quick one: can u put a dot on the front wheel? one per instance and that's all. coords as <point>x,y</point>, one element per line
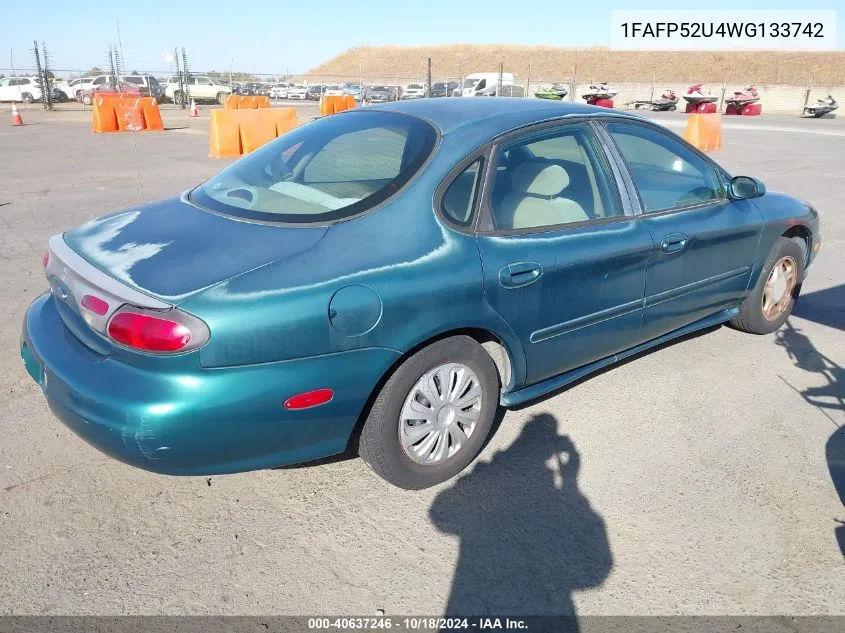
<point>770,303</point>
<point>178,98</point>
<point>87,99</point>
<point>433,415</point>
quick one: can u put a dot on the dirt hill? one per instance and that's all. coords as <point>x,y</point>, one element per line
<point>591,64</point>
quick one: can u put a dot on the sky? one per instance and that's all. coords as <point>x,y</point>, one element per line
<point>277,37</point>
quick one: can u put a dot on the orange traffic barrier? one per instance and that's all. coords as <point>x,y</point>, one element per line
<point>152,115</point>
<point>239,131</point>
<point>348,102</point>
<point>262,101</point>
<point>232,102</point>
<point>104,118</point>
<point>130,116</point>
<point>704,131</point>
<point>248,103</point>
<point>285,120</point>
<point>125,113</point>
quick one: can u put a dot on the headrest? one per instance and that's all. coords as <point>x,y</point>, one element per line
<point>540,179</point>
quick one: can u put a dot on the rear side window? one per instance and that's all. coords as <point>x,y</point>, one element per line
<point>327,170</point>
<point>667,173</point>
<point>551,179</point>
<point>460,196</point>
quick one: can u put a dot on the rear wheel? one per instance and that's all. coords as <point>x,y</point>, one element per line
<point>26,97</point>
<point>433,415</point>
<point>770,303</point>
<point>178,97</point>
<point>87,99</point>
<point>221,97</point>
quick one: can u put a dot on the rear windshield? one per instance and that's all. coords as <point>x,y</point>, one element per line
<point>327,170</point>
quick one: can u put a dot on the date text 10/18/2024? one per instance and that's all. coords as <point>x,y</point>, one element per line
<point>416,623</point>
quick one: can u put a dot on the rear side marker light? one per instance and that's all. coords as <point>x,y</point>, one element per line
<point>309,399</point>
<point>95,304</point>
<point>148,333</point>
<point>45,258</point>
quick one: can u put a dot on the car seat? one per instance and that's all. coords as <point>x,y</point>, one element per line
<point>535,199</point>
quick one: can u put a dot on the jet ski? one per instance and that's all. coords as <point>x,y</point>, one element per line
<point>667,101</point>
<point>599,91</point>
<point>695,94</point>
<point>556,93</point>
<point>821,107</point>
<point>742,99</point>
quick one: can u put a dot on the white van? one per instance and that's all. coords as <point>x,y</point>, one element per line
<point>484,84</point>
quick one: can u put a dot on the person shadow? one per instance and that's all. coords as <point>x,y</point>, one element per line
<point>830,396</point>
<point>528,536</point>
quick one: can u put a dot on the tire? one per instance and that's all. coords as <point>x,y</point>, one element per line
<point>26,97</point>
<point>380,445</point>
<point>178,97</point>
<point>87,99</point>
<point>754,317</point>
<point>221,97</point>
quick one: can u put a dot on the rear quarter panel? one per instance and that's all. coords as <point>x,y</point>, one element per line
<point>411,279</point>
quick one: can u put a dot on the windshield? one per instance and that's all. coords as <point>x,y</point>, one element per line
<point>414,86</point>
<point>327,170</point>
<point>470,83</point>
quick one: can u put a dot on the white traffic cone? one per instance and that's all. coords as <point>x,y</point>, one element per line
<point>16,116</point>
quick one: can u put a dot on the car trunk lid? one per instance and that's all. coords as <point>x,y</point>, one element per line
<point>171,249</point>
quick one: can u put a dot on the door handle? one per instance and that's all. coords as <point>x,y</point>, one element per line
<point>520,274</point>
<point>674,243</point>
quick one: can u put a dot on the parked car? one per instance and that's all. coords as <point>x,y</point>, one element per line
<point>486,84</point>
<point>297,92</point>
<point>147,85</point>
<point>355,90</point>
<point>333,91</point>
<point>71,87</point>
<point>278,91</point>
<point>87,97</point>
<point>444,88</point>
<point>198,87</point>
<point>380,94</point>
<point>414,91</point>
<point>271,341</point>
<point>21,89</point>
<point>315,91</point>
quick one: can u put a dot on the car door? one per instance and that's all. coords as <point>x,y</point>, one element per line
<point>563,255</point>
<point>704,243</point>
<point>5,89</point>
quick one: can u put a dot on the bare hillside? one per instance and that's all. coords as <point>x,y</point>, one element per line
<point>591,64</point>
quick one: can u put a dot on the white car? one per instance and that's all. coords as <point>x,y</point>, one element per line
<point>333,91</point>
<point>297,92</point>
<point>279,91</point>
<point>414,91</point>
<point>72,87</point>
<point>199,88</point>
<point>24,89</point>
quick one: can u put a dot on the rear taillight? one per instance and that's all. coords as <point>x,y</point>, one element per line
<point>163,332</point>
<point>45,258</point>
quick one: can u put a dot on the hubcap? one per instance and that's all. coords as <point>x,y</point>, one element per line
<point>777,293</point>
<point>440,414</point>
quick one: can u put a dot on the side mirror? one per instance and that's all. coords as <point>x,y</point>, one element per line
<point>745,187</point>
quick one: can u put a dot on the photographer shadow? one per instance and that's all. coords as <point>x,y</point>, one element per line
<point>528,536</point>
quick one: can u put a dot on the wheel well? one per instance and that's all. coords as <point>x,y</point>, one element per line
<point>799,230</point>
<point>489,341</point>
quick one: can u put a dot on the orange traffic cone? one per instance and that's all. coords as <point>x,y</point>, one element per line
<point>194,110</point>
<point>16,116</point>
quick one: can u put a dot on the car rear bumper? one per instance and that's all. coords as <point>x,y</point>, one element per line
<point>200,422</point>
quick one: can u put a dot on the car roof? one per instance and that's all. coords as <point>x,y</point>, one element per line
<point>498,114</point>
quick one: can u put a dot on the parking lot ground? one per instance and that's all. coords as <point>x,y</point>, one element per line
<point>695,479</point>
